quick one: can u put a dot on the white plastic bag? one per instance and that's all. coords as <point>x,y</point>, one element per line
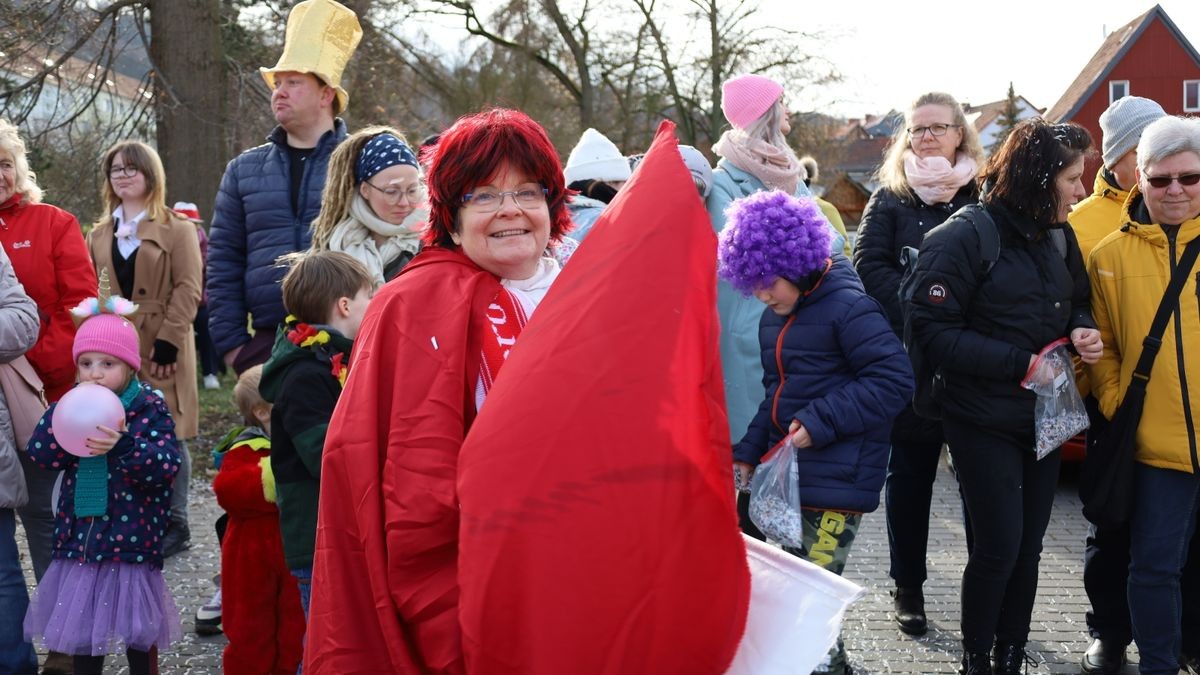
<point>775,496</point>
<point>796,611</point>
<point>1059,413</point>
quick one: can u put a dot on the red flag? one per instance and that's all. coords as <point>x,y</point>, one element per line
<point>598,528</point>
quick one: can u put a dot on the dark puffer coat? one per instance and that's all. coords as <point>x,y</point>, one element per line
<point>890,222</point>
<point>141,467</point>
<point>253,224</point>
<point>981,328</point>
<point>834,365</point>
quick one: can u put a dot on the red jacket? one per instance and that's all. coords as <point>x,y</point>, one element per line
<point>261,614</point>
<point>385,591</point>
<point>51,261</point>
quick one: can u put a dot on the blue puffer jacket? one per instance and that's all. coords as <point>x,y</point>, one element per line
<point>739,314</point>
<point>835,365</point>
<point>141,467</point>
<point>585,211</point>
<point>253,224</point>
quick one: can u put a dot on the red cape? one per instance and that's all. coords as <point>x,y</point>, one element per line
<point>385,593</point>
<point>598,526</point>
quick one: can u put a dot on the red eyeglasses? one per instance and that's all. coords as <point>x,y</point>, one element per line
<point>1188,179</point>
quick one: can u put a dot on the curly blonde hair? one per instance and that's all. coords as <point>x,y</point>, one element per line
<point>891,173</point>
<point>340,183</point>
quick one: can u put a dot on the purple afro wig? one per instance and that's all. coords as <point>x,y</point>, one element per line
<point>769,235</point>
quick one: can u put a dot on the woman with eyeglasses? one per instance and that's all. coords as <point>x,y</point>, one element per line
<point>981,326</point>
<point>928,174</point>
<point>434,340</point>
<point>373,193</point>
<point>151,255</point>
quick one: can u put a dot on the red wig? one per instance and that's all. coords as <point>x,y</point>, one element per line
<point>471,152</point>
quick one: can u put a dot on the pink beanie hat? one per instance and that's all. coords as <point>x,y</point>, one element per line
<point>108,334</point>
<point>746,97</point>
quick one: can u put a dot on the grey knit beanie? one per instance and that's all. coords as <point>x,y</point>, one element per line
<point>1122,125</point>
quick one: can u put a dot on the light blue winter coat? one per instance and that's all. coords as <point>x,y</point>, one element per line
<point>740,351</point>
<point>584,213</point>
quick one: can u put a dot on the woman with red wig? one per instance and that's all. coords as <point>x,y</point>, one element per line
<point>385,587</point>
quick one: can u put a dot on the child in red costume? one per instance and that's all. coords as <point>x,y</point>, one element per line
<point>261,604</point>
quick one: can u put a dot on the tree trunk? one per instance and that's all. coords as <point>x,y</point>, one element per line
<point>190,98</point>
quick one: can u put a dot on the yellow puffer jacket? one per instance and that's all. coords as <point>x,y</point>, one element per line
<point>1129,271</point>
<point>1094,219</point>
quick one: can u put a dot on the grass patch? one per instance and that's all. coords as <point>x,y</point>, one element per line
<point>218,415</point>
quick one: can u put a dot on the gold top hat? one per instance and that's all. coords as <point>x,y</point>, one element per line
<point>320,39</point>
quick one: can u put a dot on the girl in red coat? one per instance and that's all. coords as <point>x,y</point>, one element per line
<point>260,601</point>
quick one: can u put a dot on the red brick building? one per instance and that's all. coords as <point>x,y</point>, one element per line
<point>1146,57</point>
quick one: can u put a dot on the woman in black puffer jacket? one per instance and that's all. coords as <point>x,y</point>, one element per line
<point>982,329</point>
<point>929,173</point>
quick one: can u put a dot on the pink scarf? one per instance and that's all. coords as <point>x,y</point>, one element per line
<point>934,180</point>
<point>777,169</point>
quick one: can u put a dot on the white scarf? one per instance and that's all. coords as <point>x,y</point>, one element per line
<point>933,178</point>
<point>353,236</point>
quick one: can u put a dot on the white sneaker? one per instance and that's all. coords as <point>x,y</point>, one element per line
<point>208,617</point>
<point>211,382</point>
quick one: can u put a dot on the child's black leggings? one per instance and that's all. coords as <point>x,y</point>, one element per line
<point>139,664</point>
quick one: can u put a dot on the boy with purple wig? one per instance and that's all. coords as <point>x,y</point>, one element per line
<point>834,372</point>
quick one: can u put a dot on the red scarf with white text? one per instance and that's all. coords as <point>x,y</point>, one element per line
<point>506,317</point>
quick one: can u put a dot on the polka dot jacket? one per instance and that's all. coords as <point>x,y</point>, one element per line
<point>141,468</point>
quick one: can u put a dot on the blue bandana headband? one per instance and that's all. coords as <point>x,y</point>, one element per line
<point>381,152</point>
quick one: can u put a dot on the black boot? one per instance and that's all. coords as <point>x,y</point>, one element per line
<point>910,610</point>
<point>1103,658</point>
<point>1011,659</point>
<point>976,663</point>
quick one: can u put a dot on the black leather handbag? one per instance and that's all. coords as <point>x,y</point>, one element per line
<point>1106,483</point>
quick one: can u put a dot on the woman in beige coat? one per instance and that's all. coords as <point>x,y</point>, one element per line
<point>153,257</point>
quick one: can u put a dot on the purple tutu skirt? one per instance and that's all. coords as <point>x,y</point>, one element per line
<point>102,608</point>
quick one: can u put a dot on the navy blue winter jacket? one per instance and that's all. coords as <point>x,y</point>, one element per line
<point>835,365</point>
<point>141,468</point>
<point>253,224</point>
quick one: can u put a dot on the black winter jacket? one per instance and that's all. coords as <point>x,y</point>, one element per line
<point>980,329</point>
<point>889,223</point>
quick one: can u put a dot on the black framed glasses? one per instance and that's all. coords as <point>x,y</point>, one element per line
<point>486,200</point>
<point>127,171</point>
<point>935,129</point>
<point>1160,182</point>
<point>392,195</point>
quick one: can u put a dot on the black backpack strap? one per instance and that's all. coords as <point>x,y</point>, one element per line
<point>1166,307</point>
<point>989,235</point>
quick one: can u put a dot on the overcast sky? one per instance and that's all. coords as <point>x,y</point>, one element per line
<point>891,51</point>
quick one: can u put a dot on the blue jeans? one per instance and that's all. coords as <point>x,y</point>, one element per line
<point>304,581</point>
<point>1164,519</point>
<point>16,654</point>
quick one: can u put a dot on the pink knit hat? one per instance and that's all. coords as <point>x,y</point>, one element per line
<point>746,97</point>
<point>108,334</point>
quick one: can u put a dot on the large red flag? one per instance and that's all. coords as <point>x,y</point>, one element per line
<point>598,530</point>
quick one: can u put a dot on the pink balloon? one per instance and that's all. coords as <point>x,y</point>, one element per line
<point>80,411</point>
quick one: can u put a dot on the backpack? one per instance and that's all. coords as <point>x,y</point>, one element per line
<point>927,380</point>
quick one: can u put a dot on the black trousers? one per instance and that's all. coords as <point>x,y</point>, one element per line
<point>210,360</point>
<point>1009,495</point>
<point>908,493</point>
<point>140,663</point>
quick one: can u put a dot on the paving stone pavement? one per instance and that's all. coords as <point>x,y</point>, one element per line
<point>1058,639</point>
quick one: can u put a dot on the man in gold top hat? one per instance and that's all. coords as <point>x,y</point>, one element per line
<point>271,193</point>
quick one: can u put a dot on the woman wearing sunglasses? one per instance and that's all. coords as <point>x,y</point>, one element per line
<point>929,173</point>
<point>1129,272</point>
<point>982,327</point>
<point>373,193</point>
